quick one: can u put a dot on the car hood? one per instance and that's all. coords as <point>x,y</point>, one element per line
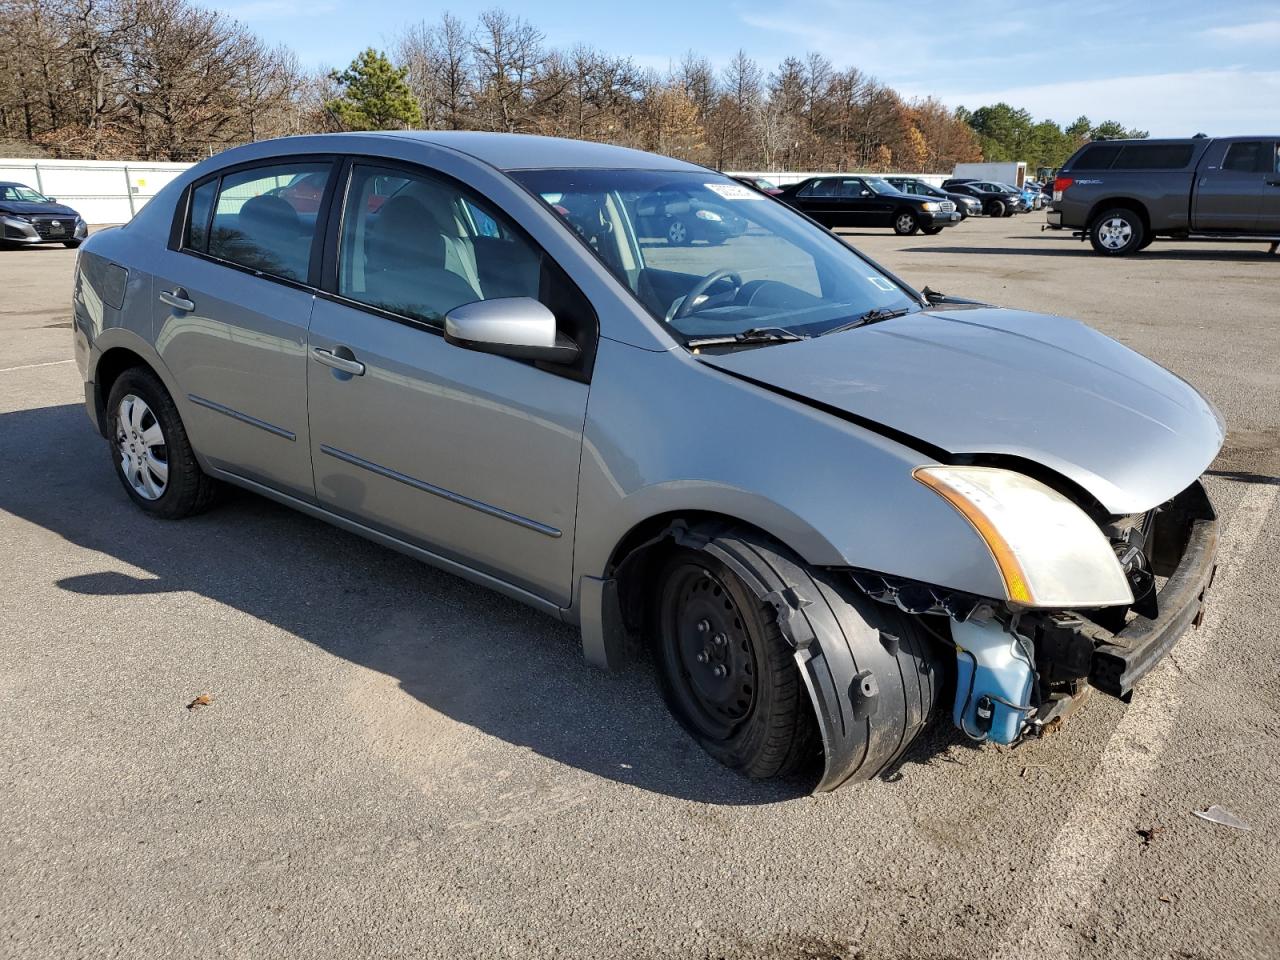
<point>29,208</point>
<point>1010,384</point>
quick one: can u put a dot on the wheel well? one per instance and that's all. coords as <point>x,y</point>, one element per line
<point>636,558</point>
<point>110,365</point>
<point>1127,203</point>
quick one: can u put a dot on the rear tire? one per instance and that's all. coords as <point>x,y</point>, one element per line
<point>1117,232</point>
<point>149,448</point>
<point>905,223</point>
<point>743,698</point>
<point>678,233</point>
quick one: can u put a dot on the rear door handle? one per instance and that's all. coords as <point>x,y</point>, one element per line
<point>331,359</point>
<point>176,298</point>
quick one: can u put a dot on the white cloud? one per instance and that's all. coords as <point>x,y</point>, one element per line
<point>1216,102</point>
<point>1263,31</point>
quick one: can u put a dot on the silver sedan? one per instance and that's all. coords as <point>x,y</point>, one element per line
<point>830,506</point>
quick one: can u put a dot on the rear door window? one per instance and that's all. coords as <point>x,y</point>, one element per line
<point>1245,157</point>
<point>265,218</point>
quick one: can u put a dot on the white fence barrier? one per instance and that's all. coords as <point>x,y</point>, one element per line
<point>101,191</point>
<point>112,191</point>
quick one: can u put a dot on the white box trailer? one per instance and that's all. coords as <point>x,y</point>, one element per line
<point>1013,172</point>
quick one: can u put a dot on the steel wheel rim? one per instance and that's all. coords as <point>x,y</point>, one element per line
<point>1115,233</point>
<point>676,232</point>
<point>140,444</point>
<point>711,660</point>
<point>906,222</point>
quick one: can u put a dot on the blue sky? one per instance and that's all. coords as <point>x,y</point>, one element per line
<point>1173,67</point>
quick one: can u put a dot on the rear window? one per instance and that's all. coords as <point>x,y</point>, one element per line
<point>1154,156</point>
<point>1100,156</point>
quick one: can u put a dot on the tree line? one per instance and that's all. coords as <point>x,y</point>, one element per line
<point>168,80</point>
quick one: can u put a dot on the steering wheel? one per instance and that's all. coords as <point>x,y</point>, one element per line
<point>688,304</point>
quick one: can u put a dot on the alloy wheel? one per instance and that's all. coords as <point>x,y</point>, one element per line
<point>144,456</point>
<point>1115,233</point>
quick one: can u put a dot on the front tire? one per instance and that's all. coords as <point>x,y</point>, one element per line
<point>731,677</point>
<point>932,231</point>
<point>149,448</point>
<point>1117,232</point>
<point>905,223</point>
<point>678,233</point>
<point>71,244</point>
<point>996,208</point>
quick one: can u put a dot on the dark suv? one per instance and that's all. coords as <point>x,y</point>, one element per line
<point>1122,194</point>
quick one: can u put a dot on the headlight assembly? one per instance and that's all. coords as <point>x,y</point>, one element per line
<point>1048,551</point>
<point>930,206</point>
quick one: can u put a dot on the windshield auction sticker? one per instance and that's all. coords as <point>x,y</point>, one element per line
<point>734,191</point>
<point>880,283</point>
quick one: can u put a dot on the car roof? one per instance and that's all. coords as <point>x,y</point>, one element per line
<point>523,151</point>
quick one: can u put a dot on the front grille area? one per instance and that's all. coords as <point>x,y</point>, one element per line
<point>947,206</point>
<point>46,229</point>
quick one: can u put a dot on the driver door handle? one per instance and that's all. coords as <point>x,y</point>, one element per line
<point>177,298</point>
<point>331,359</point>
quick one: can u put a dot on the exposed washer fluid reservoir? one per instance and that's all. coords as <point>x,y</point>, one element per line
<point>993,681</point>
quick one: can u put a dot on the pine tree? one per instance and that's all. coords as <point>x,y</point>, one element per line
<point>375,95</point>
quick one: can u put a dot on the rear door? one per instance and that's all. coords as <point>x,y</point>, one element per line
<point>471,456</point>
<point>1232,186</point>
<point>1269,218</point>
<point>233,300</point>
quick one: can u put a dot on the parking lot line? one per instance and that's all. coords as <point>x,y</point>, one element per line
<point>1083,850</point>
<point>32,366</point>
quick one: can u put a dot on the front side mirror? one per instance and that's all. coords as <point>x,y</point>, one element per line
<point>518,327</point>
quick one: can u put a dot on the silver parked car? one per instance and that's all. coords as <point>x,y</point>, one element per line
<point>830,506</point>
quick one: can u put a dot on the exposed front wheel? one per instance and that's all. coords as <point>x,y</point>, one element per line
<point>150,450</point>
<point>905,223</point>
<point>1117,232</point>
<point>996,208</point>
<point>733,679</point>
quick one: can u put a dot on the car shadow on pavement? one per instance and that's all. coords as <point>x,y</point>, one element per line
<point>466,652</point>
<point>1079,249</point>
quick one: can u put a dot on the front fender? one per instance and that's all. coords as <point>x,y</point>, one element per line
<point>666,433</point>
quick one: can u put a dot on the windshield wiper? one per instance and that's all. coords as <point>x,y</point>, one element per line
<point>755,335</point>
<point>871,316</point>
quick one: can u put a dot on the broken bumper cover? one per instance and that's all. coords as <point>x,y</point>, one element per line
<point>1133,652</point>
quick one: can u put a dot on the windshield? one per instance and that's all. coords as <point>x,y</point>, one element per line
<point>709,257</point>
<point>18,192</point>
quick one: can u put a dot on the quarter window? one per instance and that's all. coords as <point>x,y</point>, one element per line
<point>265,218</point>
<point>197,237</point>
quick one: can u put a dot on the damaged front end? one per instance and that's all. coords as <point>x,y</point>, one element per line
<point>1020,669</point>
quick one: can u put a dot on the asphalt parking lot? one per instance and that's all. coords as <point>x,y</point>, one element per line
<point>395,763</point>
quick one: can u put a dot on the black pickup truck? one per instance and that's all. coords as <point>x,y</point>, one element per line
<point>1122,194</point>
